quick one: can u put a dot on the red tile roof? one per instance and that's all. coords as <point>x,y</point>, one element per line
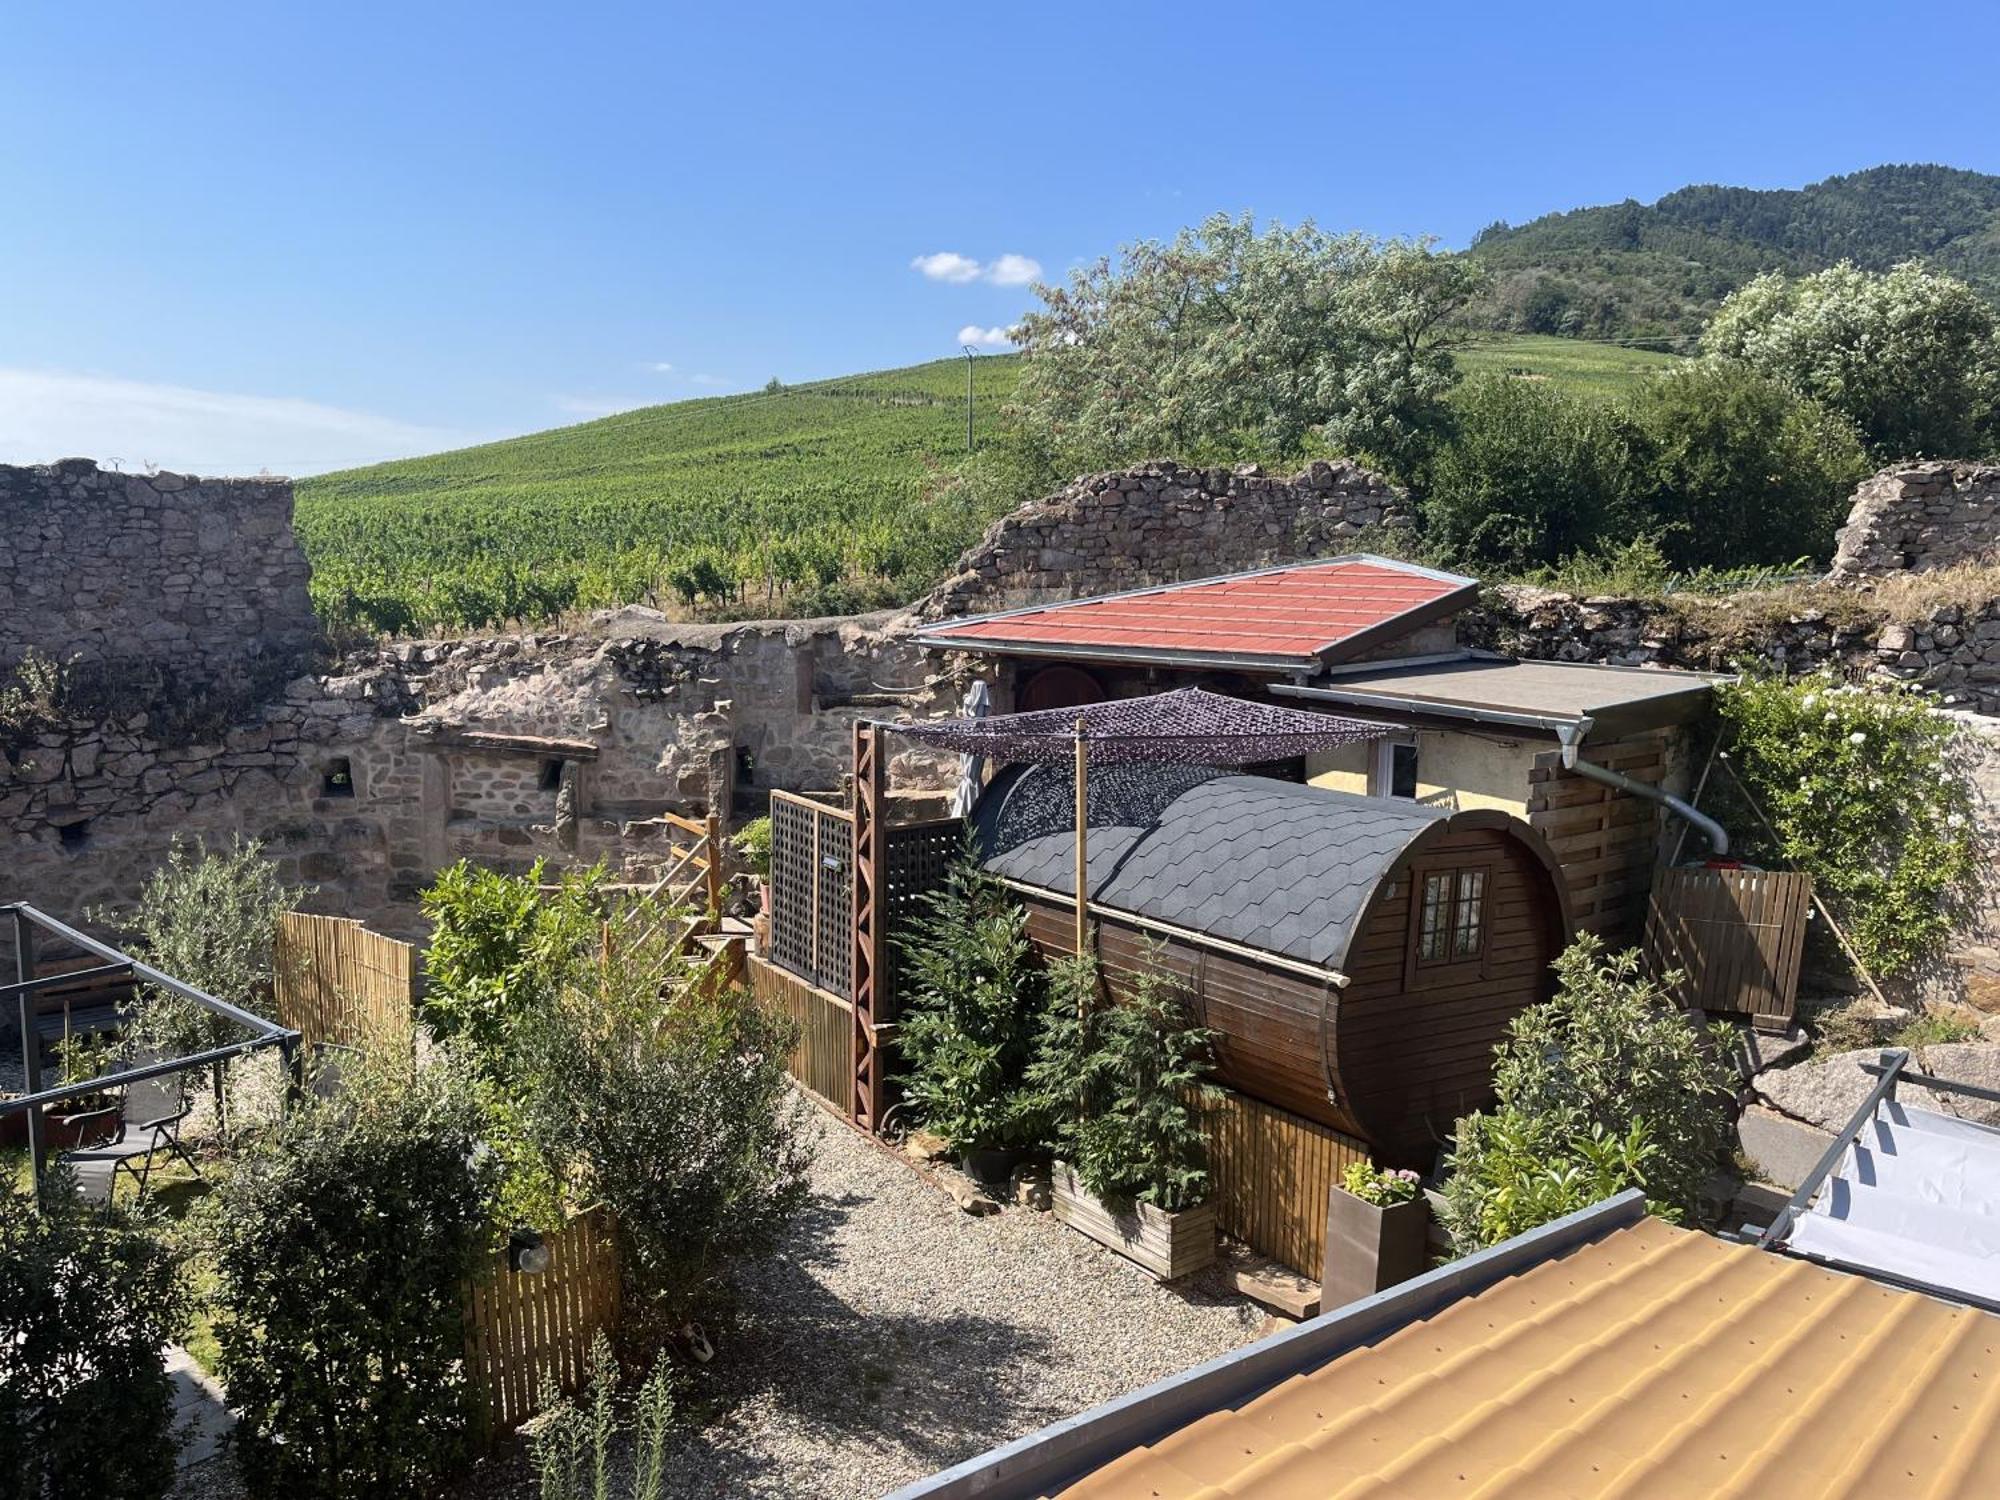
<point>1283,614</point>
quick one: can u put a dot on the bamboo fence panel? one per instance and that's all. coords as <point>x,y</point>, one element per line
<point>1738,937</point>
<point>1270,1172</point>
<point>822,1059</point>
<point>338,982</point>
<point>521,1329</point>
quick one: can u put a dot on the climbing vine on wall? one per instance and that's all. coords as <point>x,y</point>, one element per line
<point>1867,790</point>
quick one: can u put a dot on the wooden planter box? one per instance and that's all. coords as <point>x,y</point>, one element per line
<point>60,1133</point>
<point>1369,1249</point>
<point>1169,1245</point>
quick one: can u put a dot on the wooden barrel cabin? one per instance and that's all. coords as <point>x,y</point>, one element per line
<point>1357,957</point>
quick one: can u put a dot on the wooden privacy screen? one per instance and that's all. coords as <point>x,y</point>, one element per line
<point>812,891</point>
<point>338,982</point>
<point>1738,936</point>
<point>520,1328</point>
<point>822,1055</point>
<point>920,856</point>
<point>1270,1174</point>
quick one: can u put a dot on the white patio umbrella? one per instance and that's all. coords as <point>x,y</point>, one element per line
<point>978,703</point>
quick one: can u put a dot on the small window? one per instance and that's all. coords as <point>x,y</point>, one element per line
<point>339,778</point>
<point>746,766</point>
<point>1451,916</point>
<point>75,835</point>
<point>1394,773</point>
<point>552,775</point>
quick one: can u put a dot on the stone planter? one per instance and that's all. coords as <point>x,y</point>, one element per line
<point>1169,1245</point>
<point>1369,1248</point>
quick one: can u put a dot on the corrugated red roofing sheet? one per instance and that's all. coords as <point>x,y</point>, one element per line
<point>1292,612</point>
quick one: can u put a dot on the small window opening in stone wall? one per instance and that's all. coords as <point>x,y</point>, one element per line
<point>552,772</point>
<point>74,835</point>
<point>338,780</point>
<point>746,766</point>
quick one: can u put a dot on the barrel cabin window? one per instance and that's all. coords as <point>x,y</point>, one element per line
<point>1450,915</point>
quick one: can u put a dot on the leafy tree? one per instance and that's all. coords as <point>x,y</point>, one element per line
<point>87,1303</point>
<point>1909,356</point>
<point>1122,1086</point>
<point>1531,474</point>
<point>1732,467</point>
<point>1232,342</point>
<point>342,1243</point>
<point>967,1024</point>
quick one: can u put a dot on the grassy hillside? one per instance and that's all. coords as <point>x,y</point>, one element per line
<point>815,496</point>
<point>1631,268</point>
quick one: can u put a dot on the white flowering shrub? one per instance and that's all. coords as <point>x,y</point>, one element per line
<point>1867,791</point>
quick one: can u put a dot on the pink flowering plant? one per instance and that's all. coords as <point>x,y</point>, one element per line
<point>1381,1186</point>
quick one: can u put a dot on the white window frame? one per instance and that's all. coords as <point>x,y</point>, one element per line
<point>1382,765</point>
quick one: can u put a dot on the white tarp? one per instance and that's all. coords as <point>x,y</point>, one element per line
<point>1917,1196</point>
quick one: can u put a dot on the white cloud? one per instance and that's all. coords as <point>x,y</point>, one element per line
<point>947,265</point>
<point>986,338</point>
<point>661,367</point>
<point>47,415</point>
<point>1014,270</point>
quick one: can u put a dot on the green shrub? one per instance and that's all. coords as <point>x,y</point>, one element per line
<point>1937,1024</point>
<point>1866,792</point>
<point>677,1117</point>
<point>86,1305</point>
<point>502,947</point>
<point>1381,1186</point>
<point>968,1020</point>
<point>1122,1086</point>
<point>570,1444</point>
<point>753,842</point>
<point>342,1243</point>
<point>1513,1171</point>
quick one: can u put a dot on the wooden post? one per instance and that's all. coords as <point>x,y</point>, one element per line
<point>1082,843</point>
<point>870,883</point>
<point>31,1049</point>
<point>713,837</point>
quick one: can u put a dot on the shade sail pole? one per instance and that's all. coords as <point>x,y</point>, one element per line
<point>1082,842</point>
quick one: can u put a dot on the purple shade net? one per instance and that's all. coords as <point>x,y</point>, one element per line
<point>1187,727</point>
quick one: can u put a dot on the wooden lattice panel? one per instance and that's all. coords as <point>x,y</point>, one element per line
<point>920,856</point>
<point>812,860</point>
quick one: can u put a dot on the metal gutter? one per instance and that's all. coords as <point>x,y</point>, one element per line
<point>1707,827</point>
<point>1045,1462</point>
<point>1186,934</point>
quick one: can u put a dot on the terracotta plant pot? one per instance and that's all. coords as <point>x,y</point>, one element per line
<point>1369,1249</point>
<point>1170,1245</point>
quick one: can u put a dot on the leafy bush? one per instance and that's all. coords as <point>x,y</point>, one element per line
<point>1866,792</point>
<point>86,1305</point>
<point>502,947</point>
<point>341,1245</point>
<point>968,1020</point>
<point>1513,1171</point>
<point>1936,1024</point>
<point>679,1118</point>
<point>753,842</point>
<point>1381,1186</point>
<point>1122,1085</point>
<point>570,1444</point>
<point>1606,1081</point>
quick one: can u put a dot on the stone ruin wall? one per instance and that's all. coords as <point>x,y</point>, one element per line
<point>1920,517</point>
<point>1162,522</point>
<point>194,585</point>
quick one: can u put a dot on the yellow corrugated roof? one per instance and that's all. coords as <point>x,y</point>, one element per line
<point>1652,1362</point>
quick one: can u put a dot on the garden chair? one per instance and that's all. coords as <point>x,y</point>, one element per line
<point>149,1125</point>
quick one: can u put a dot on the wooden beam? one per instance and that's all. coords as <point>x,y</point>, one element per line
<point>1082,842</point>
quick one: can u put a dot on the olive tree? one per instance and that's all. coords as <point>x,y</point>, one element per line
<point>1909,356</point>
<point>1231,341</point>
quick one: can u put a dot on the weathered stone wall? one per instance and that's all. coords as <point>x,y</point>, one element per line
<point>1917,517</point>
<point>1162,522</point>
<point>161,583</point>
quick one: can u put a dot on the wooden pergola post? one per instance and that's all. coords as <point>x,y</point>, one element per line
<point>870,884</point>
<point>1082,842</point>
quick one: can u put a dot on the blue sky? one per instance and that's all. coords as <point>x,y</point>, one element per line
<point>292,237</point>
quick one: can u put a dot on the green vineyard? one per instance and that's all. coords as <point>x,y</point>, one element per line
<point>814,498</point>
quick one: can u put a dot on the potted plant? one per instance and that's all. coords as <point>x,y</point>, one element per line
<point>1124,1084</point>
<point>1377,1227</point>
<point>752,843</point>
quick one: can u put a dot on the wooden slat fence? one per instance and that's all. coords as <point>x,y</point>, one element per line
<point>519,1328</point>
<point>1737,935</point>
<point>338,982</point>
<point>812,891</point>
<point>1271,1171</point>
<point>823,1057</point>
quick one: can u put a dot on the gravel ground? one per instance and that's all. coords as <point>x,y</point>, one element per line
<point>893,1335</point>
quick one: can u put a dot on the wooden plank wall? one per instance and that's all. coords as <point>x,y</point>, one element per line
<point>1271,1173</point>
<point>338,982</point>
<point>519,1329</point>
<point>1738,936</point>
<point>1606,840</point>
<point>822,1058</point>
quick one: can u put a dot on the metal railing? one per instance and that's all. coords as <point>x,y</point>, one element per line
<point>28,923</point>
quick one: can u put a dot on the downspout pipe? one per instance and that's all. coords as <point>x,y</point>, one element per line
<point>1571,736</point>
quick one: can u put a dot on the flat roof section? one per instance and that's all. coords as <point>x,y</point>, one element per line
<point>1293,617</point>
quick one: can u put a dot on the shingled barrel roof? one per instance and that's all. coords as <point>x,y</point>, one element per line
<point>1269,864</point>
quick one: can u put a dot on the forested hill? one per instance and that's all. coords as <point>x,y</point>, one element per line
<point>1633,269</point>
